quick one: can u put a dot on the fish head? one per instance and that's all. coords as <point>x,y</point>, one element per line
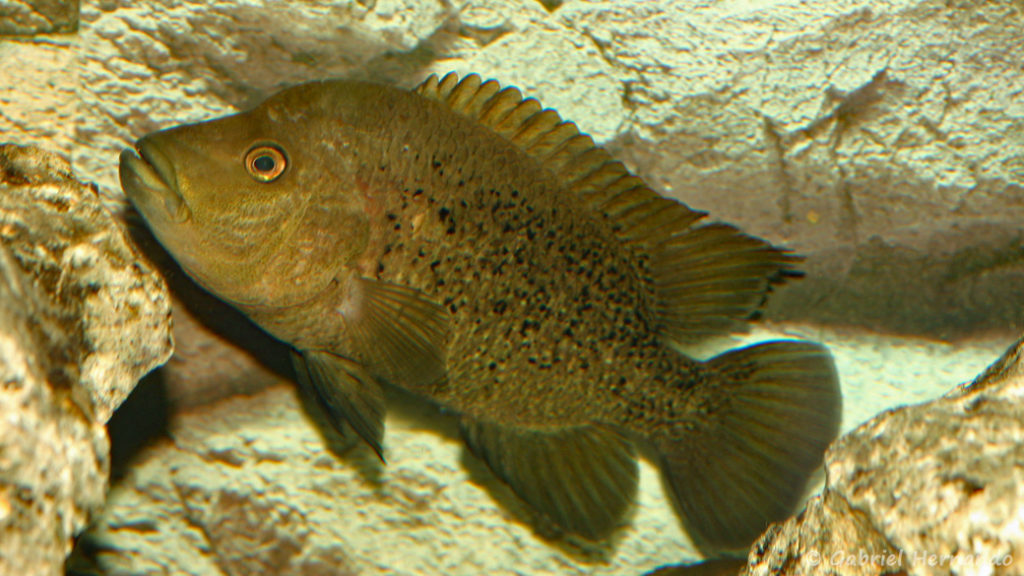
<point>258,207</point>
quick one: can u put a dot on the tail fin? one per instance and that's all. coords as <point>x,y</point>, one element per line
<point>745,462</point>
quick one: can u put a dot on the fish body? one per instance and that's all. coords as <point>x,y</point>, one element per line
<point>465,244</point>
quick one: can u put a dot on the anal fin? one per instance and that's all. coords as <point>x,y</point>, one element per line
<point>583,478</point>
<point>346,392</point>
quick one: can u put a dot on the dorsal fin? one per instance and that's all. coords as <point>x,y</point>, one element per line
<point>706,279</point>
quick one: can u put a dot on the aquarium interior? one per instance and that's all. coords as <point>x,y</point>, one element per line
<point>251,478</point>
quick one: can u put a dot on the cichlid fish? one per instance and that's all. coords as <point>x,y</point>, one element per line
<point>465,244</point>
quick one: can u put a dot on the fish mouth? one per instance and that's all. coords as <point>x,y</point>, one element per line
<point>149,180</point>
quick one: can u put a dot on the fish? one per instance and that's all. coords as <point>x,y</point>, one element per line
<point>468,245</point>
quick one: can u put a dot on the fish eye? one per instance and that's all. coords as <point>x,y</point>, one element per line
<point>265,163</point>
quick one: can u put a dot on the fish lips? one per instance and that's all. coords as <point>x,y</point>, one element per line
<point>148,178</point>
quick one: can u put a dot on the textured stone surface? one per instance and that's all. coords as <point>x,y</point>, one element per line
<point>81,320</point>
<point>37,92</point>
<point>23,17</point>
<point>936,488</point>
<point>882,139</point>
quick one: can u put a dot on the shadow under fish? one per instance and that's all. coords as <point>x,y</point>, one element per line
<point>716,567</point>
<point>467,245</point>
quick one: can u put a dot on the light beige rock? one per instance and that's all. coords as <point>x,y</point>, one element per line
<point>149,65</point>
<point>24,17</point>
<point>930,489</point>
<point>881,139</point>
<point>37,91</point>
<point>81,320</point>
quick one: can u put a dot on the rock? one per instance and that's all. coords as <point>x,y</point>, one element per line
<point>212,57</point>
<point>879,139</point>
<point>856,132</point>
<point>81,320</point>
<point>23,17</point>
<point>37,95</point>
<point>935,488</point>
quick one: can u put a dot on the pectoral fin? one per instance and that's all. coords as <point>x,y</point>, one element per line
<point>397,331</point>
<point>346,392</point>
<point>583,479</point>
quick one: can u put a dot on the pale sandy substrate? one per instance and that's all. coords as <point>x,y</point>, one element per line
<point>878,372</point>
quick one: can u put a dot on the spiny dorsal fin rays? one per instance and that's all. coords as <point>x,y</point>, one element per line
<point>501,105</point>
<point>733,284</point>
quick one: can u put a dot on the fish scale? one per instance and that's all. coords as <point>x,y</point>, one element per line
<point>455,202</point>
<point>472,247</point>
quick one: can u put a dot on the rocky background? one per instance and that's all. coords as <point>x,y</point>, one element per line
<point>883,140</point>
<point>81,320</point>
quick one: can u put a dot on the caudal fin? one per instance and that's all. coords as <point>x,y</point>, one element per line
<point>745,461</point>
